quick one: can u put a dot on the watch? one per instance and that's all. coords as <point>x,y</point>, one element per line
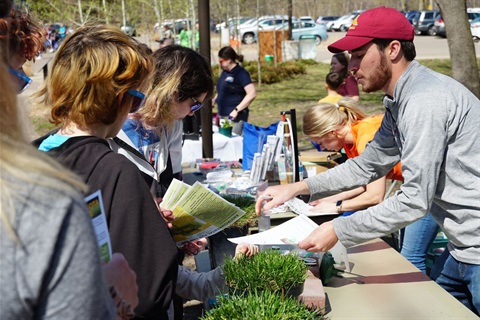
<point>339,206</point>
<point>236,109</point>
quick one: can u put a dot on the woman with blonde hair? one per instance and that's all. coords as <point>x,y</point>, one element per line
<point>179,85</point>
<point>93,86</point>
<point>344,125</point>
<point>50,263</point>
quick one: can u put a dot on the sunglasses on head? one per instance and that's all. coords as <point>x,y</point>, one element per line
<point>138,99</point>
<point>196,106</point>
<point>22,80</point>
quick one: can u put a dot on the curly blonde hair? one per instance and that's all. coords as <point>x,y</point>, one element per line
<point>91,69</point>
<point>322,118</point>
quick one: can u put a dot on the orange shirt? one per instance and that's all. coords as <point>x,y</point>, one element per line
<point>363,132</point>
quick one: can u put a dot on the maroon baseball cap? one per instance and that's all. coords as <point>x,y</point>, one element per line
<point>377,23</point>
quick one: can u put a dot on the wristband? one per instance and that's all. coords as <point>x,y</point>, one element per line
<point>339,206</point>
<point>124,310</point>
<point>236,109</point>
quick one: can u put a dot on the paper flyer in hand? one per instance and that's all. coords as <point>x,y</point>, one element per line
<point>99,221</point>
<point>198,211</point>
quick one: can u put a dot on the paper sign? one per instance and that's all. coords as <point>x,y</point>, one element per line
<point>99,221</point>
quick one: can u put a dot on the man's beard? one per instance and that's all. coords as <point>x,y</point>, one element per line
<point>380,76</point>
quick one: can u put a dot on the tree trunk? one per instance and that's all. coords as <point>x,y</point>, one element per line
<point>460,44</point>
<point>80,11</point>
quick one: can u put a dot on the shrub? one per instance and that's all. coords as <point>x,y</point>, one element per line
<point>270,74</point>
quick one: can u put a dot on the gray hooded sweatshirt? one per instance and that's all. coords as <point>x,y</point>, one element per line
<point>431,125</point>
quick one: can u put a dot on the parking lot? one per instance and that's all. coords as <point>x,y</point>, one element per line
<point>428,47</point>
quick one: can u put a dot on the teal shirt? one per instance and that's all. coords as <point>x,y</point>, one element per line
<point>53,141</point>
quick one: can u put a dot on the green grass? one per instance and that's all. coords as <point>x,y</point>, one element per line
<point>261,305</point>
<point>267,270</point>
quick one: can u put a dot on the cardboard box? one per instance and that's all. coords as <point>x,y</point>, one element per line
<point>314,168</point>
<point>316,162</point>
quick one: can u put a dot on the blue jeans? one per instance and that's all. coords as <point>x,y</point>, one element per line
<point>417,238</point>
<point>462,280</point>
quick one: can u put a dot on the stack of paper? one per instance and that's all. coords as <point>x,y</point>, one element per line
<point>264,161</point>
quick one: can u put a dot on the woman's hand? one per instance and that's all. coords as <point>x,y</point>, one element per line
<point>194,247</point>
<point>324,206</point>
<point>119,275</point>
<point>233,114</point>
<point>166,214</point>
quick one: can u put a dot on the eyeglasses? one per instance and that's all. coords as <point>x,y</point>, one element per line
<point>22,80</point>
<point>196,106</point>
<point>316,145</point>
<point>138,99</point>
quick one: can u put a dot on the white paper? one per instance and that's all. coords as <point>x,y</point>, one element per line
<point>295,230</point>
<point>300,207</point>
<point>99,221</point>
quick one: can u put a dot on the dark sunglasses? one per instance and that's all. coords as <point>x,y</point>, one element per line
<point>22,80</point>
<point>138,99</point>
<point>196,106</point>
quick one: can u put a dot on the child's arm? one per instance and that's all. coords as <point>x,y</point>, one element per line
<point>205,285</point>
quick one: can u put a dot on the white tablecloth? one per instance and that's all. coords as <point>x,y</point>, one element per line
<point>224,148</point>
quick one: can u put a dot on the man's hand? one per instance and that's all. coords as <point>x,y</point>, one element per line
<point>118,274</point>
<point>322,239</point>
<point>245,249</point>
<point>279,194</point>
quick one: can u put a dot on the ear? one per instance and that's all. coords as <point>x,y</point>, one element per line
<point>393,50</point>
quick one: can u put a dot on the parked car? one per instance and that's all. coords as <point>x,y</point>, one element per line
<point>475,28</point>
<point>342,23</point>
<point>306,19</point>
<point>423,22</point>
<point>308,29</point>
<point>439,24</point>
<point>248,33</point>
<point>232,22</point>
<point>327,21</point>
<point>410,15</point>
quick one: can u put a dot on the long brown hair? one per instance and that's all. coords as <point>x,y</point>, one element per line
<point>178,72</point>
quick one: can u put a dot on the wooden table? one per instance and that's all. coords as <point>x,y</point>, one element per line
<point>393,289</point>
